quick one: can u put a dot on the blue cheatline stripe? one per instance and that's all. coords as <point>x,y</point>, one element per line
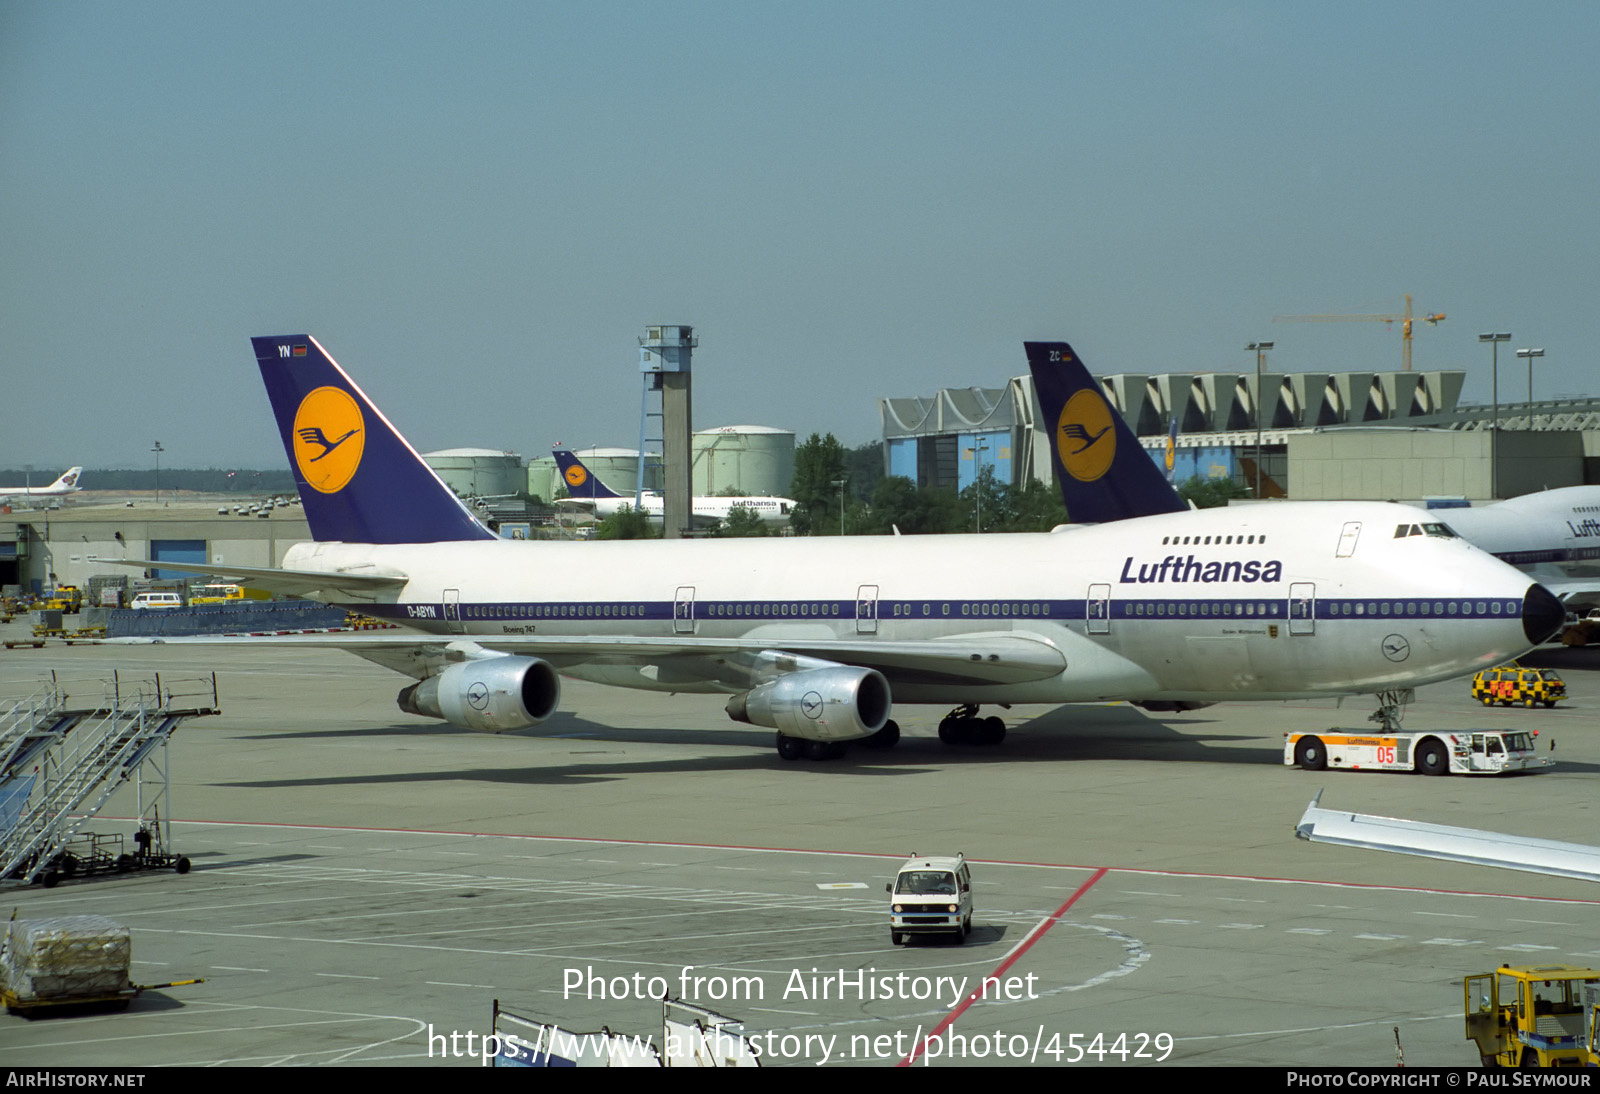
<point>1387,610</point>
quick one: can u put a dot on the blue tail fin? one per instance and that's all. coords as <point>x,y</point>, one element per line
<point>581,482</point>
<point>360,482</point>
<point>1104,472</point>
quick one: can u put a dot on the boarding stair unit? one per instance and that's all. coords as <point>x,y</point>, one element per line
<point>61,761</point>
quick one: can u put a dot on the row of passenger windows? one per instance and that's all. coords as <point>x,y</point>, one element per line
<point>770,611</point>
<point>1200,608</point>
<point>1421,607</point>
<point>553,611</point>
<point>1209,541</point>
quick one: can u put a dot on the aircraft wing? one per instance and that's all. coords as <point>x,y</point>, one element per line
<point>978,659</point>
<point>353,585</point>
<point>1535,856</point>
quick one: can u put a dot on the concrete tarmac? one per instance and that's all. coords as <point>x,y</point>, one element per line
<point>366,883</point>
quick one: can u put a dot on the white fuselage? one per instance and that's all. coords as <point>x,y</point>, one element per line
<point>1553,534</point>
<point>1256,602</point>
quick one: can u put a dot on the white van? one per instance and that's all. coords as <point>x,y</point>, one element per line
<point>156,600</point>
<point>932,894</point>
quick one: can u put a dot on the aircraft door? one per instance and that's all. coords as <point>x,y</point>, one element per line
<point>1303,608</point>
<point>866,609</point>
<point>1347,539</point>
<point>1098,609</point>
<point>683,610</point>
<point>452,610</point>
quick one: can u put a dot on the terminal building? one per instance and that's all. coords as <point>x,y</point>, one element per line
<point>1310,436</point>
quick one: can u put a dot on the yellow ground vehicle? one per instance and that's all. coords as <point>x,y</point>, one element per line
<point>66,599</point>
<point>215,594</point>
<point>1508,684</point>
<point>1530,1017</point>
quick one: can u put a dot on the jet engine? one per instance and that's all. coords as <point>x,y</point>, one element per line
<point>490,694</point>
<point>837,704</point>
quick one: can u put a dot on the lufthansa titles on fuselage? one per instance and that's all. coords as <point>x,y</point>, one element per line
<point>1187,568</point>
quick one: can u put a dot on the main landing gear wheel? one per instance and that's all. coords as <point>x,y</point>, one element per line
<point>1309,754</point>
<point>887,737</point>
<point>962,726</point>
<point>798,748</point>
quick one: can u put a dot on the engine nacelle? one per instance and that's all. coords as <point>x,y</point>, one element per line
<point>837,704</point>
<point>489,694</point>
<point>1169,706</point>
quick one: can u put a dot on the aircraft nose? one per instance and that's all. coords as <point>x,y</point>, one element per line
<point>1542,614</point>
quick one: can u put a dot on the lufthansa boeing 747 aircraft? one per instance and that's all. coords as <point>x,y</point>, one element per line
<point>816,638</point>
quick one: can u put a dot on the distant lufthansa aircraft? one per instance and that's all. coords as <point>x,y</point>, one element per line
<point>586,492</point>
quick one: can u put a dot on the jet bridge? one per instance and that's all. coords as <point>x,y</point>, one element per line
<point>61,761</point>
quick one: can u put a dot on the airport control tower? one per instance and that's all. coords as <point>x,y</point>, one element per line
<point>665,353</point>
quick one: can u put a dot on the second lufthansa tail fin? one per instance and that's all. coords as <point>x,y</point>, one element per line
<point>359,479</point>
<point>581,482</point>
<point>1104,472</point>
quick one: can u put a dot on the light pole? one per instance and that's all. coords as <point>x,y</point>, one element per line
<point>840,484</point>
<point>980,445</point>
<point>1494,341</point>
<point>157,450</point>
<point>1260,350</point>
<point>1530,354</point>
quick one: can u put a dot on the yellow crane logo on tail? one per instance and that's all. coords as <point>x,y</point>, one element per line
<point>329,437</point>
<point>1085,442</point>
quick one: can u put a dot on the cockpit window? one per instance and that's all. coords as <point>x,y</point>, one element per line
<point>1443,531</point>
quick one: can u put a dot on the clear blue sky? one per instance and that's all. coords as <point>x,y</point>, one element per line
<point>477,208</point>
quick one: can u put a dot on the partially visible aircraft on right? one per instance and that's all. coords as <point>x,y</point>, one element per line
<point>1552,535</point>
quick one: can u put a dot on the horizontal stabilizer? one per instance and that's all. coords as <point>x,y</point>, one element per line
<point>362,585</point>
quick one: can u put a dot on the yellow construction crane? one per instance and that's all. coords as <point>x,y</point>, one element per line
<point>1405,330</point>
